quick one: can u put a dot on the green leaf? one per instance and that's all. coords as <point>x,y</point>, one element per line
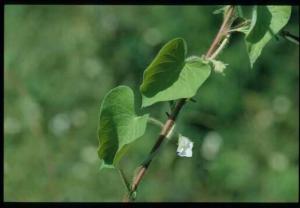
<point>118,126</point>
<point>192,76</point>
<point>164,70</point>
<point>240,12</point>
<point>246,12</point>
<point>266,22</point>
<point>220,10</point>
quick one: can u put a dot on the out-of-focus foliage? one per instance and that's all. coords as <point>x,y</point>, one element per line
<point>60,61</point>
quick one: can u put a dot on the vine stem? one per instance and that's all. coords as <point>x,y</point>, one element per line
<point>222,31</point>
<point>169,124</point>
<point>220,48</point>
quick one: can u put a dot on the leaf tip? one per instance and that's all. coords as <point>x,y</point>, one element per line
<point>103,165</point>
<point>145,102</point>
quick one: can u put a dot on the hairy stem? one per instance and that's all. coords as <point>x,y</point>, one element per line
<point>169,124</point>
<point>220,48</point>
<point>222,31</point>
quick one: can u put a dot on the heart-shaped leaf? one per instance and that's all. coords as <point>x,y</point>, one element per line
<point>266,22</point>
<point>164,70</point>
<point>118,125</point>
<point>191,77</point>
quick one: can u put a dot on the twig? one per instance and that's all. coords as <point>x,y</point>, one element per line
<point>220,48</point>
<point>222,31</point>
<point>168,126</point>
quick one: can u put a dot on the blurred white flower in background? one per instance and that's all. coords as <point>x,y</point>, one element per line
<point>152,36</point>
<point>278,161</point>
<point>60,124</point>
<point>211,145</point>
<point>89,154</point>
<point>185,146</point>
<point>92,68</point>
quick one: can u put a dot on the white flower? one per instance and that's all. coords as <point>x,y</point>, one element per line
<point>185,146</point>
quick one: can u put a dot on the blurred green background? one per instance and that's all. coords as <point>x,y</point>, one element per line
<point>60,61</point>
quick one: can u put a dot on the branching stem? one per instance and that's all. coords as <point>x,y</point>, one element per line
<point>220,48</point>
<point>169,124</point>
<point>227,21</point>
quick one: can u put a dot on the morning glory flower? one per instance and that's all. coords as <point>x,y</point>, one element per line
<point>185,146</point>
